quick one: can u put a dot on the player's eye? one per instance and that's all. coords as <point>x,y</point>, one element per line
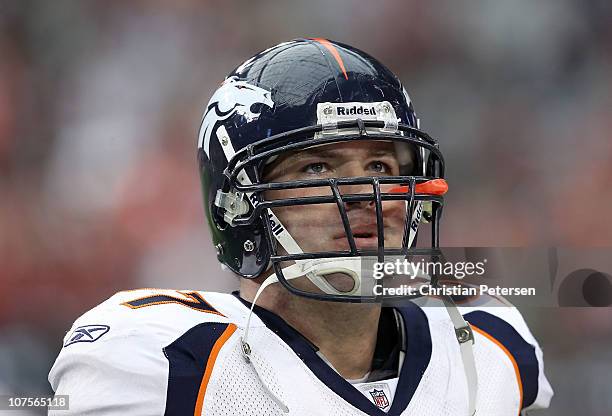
<point>316,168</point>
<point>379,167</point>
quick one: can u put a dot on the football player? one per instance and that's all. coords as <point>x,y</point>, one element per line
<point>312,164</point>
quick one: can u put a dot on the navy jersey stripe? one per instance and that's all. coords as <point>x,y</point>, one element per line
<point>188,356</point>
<point>418,355</point>
<point>523,352</point>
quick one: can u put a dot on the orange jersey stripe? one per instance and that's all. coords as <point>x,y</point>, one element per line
<point>512,360</point>
<point>209,367</point>
<point>330,47</point>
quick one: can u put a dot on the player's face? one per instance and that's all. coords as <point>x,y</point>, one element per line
<point>319,227</point>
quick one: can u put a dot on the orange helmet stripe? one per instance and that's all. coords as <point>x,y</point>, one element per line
<point>330,47</point>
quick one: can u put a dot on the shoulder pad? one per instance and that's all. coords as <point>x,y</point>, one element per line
<point>506,328</point>
<point>123,346</point>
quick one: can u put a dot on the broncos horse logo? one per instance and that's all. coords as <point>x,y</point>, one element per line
<point>232,97</point>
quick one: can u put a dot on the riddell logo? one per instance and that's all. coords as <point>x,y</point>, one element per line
<point>417,218</point>
<point>355,111</point>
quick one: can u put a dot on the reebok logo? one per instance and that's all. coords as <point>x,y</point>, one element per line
<point>86,333</point>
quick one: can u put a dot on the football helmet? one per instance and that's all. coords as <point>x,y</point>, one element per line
<point>291,97</point>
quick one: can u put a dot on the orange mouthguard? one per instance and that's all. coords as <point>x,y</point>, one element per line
<point>432,187</point>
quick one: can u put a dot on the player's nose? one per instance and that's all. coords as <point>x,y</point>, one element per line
<point>355,169</point>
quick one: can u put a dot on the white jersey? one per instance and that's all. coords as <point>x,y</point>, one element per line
<point>167,352</point>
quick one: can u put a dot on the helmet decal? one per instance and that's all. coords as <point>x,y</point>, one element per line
<point>233,97</point>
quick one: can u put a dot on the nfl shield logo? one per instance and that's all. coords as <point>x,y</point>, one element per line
<point>380,398</point>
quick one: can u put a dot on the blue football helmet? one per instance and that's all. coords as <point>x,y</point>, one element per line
<point>290,97</point>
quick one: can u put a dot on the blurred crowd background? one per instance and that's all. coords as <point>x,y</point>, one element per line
<point>100,102</point>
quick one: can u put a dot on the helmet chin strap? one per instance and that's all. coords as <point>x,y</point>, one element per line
<point>317,270</point>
